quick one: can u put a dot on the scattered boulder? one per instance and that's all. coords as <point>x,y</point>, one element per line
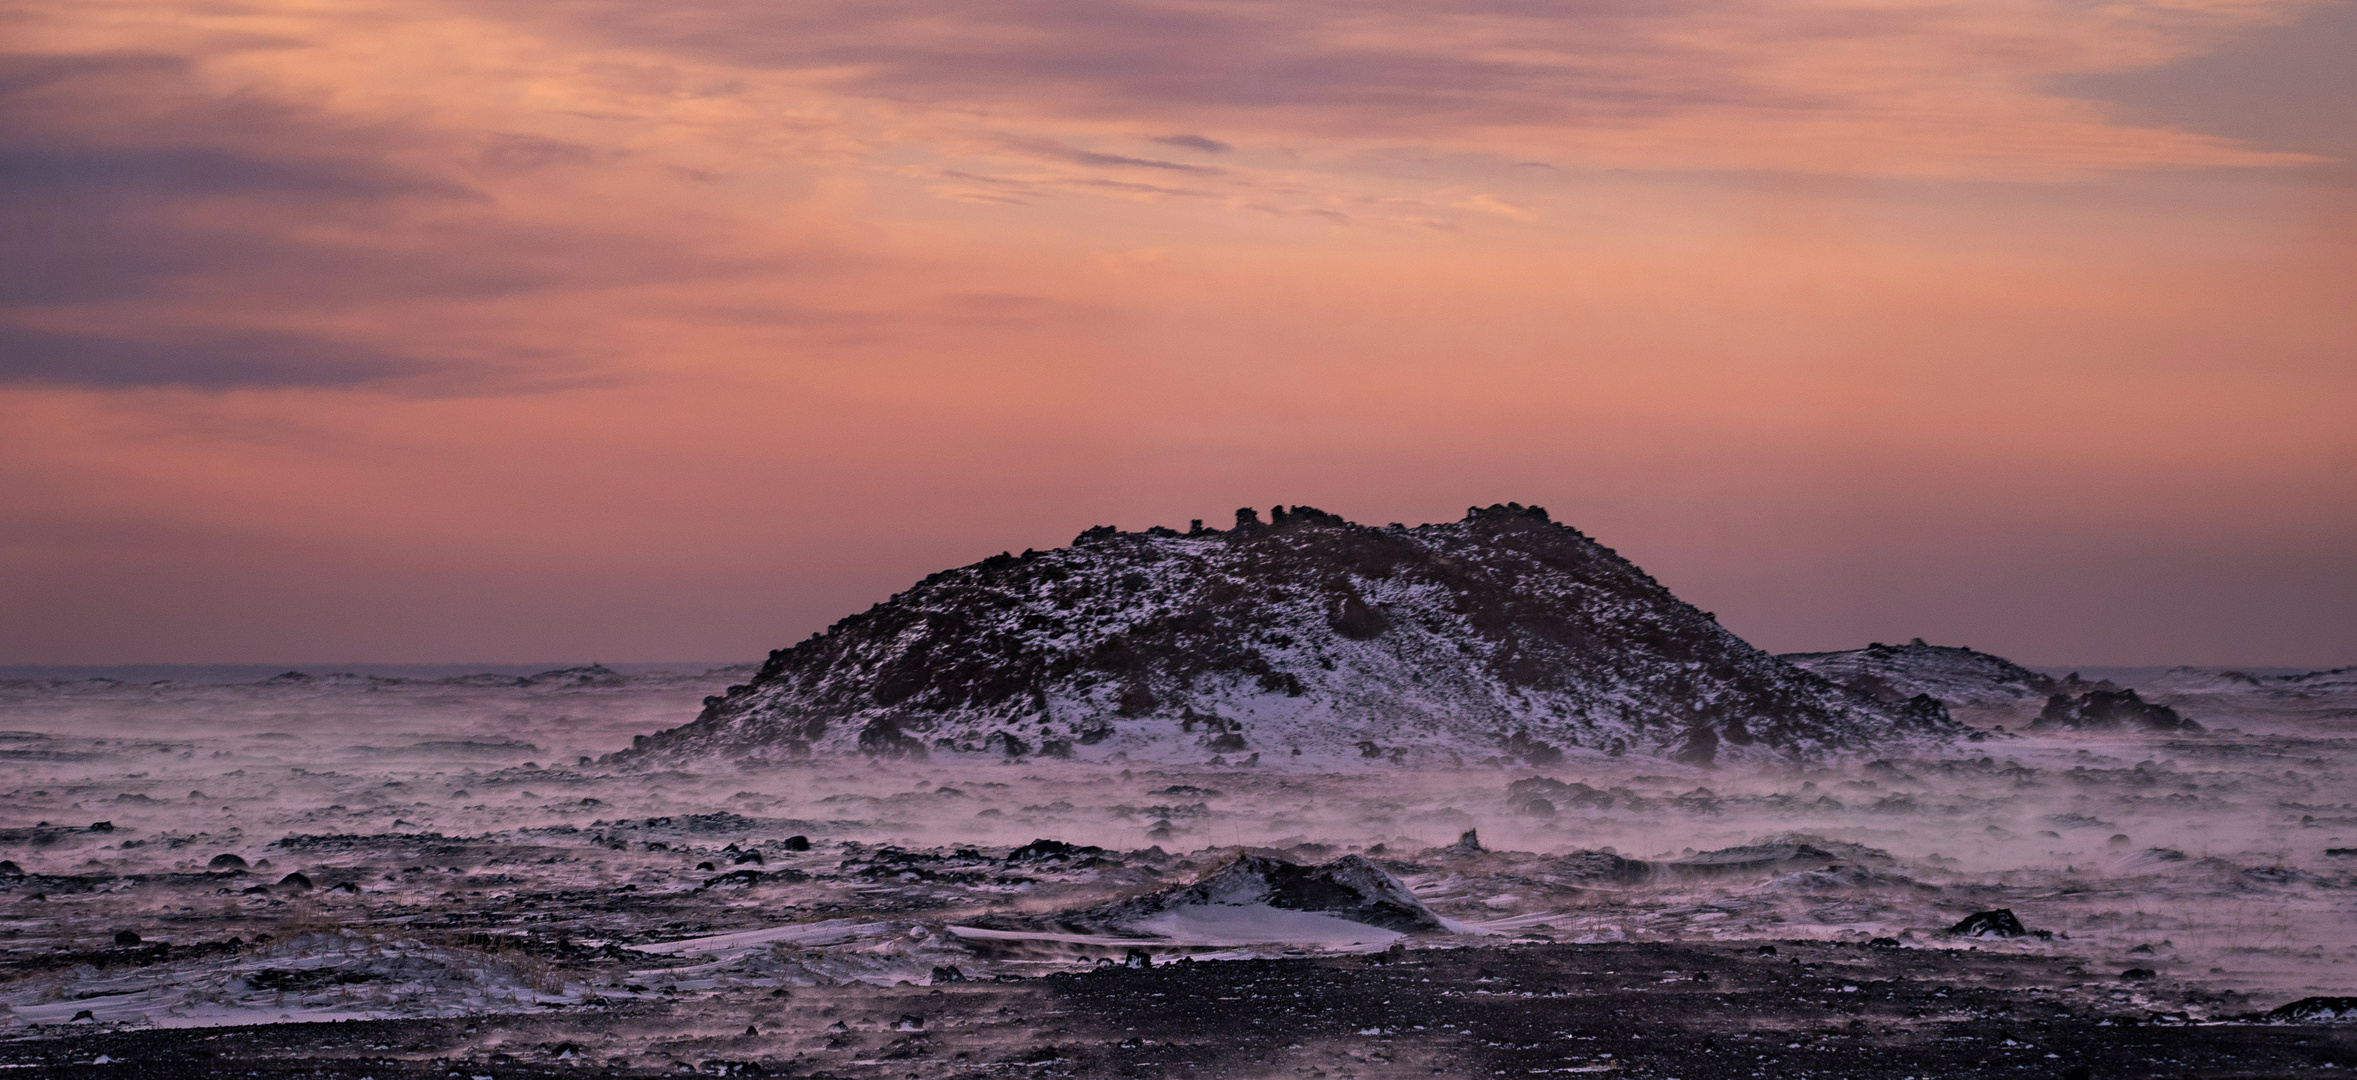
<point>948,973</point>
<point>226,861</point>
<point>127,937</point>
<point>796,843</point>
<point>2001,923</point>
<point>1603,866</point>
<point>2108,710</point>
<point>1776,854</point>
<point>1052,851</point>
<point>9,869</point>
<point>2139,974</point>
<point>295,882</point>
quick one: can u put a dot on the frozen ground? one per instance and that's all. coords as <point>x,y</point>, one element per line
<point>444,854</point>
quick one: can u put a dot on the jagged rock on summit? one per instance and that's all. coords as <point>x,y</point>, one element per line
<point>1308,638</point>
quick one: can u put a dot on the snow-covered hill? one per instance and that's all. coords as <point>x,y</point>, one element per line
<point>1305,639</point>
<point>1975,683</point>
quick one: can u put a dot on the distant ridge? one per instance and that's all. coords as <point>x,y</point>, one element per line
<point>1960,678</point>
<point>1304,638</point>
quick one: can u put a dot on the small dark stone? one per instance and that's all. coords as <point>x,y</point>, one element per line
<point>948,974</point>
<point>102,826</point>
<point>127,937</point>
<point>1767,950</point>
<point>2138,974</point>
<point>295,881</point>
<point>85,1014</point>
<point>796,843</point>
<point>226,861</point>
<point>9,869</point>
<point>1883,943</point>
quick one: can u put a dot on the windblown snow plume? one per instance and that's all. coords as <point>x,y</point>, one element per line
<point>1306,638</point>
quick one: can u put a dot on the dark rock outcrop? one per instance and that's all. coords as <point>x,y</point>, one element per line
<point>2001,923</point>
<point>1762,857</point>
<point>2105,710</point>
<point>1502,635</point>
<point>2315,1010</point>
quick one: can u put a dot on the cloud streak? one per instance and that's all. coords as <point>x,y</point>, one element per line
<point>198,361</point>
<point>1945,88</point>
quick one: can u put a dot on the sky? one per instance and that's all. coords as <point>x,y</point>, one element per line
<point>520,330</point>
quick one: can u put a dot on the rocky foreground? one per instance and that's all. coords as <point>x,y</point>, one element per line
<point>1691,1011</point>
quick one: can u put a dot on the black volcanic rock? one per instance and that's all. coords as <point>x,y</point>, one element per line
<point>1500,635</point>
<point>2001,923</point>
<point>1957,677</point>
<point>2103,710</point>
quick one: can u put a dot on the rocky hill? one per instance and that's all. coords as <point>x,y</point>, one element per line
<point>1304,639</point>
<point>1976,684</point>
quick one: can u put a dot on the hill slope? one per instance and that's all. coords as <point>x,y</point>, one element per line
<point>1305,638</point>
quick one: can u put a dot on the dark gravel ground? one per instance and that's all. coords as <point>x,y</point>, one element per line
<point>1690,1012</point>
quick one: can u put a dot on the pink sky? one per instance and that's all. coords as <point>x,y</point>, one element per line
<point>568,329</point>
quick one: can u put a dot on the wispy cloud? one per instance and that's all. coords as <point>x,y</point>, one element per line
<point>198,360</point>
